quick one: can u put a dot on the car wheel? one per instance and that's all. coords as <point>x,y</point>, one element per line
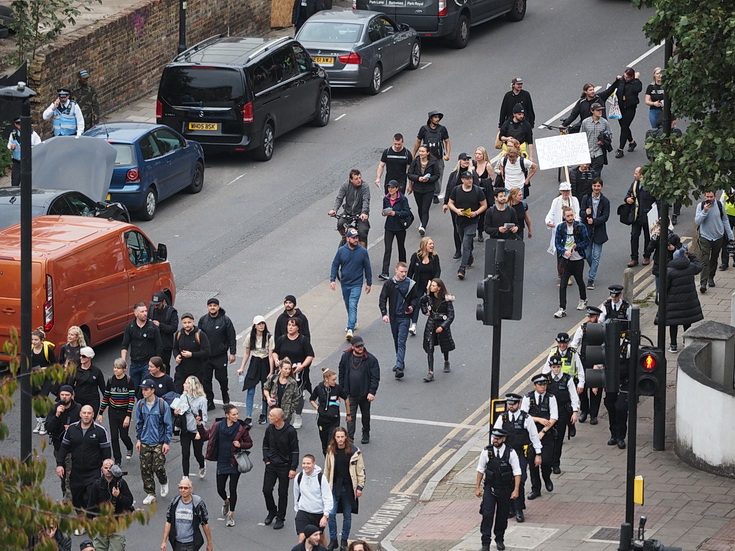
<point>197,181</point>
<point>264,151</point>
<point>462,33</point>
<point>415,60</point>
<point>376,80</point>
<point>149,207</point>
<point>323,109</point>
<point>518,11</point>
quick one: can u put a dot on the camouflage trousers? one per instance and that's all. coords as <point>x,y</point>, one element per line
<point>116,542</point>
<point>152,461</point>
<point>65,486</point>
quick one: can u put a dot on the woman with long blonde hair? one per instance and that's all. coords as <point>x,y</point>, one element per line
<point>423,267</point>
<point>192,411</point>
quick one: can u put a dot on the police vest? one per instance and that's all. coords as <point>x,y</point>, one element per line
<point>560,390</point>
<point>541,409</point>
<point>568,365</point>
<point>729,206</point>
<point>65,121</point>
<point>620,314</point>
<point>517,432</point>
<point>498,472</point>
<point>15,136</point>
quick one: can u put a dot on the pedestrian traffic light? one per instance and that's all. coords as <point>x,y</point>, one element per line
<point>651,372</point>
<point>488,312</point>
<point>593,352</point>
<point>613,351</point>
<point>504,259</point>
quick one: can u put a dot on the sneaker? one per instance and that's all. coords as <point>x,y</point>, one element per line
<point>631,146</point>
<point>619,154</point>
<point>591,285</point>
<point>723,266</point>
<point>711,282</point>
<point>261,419</point>
<point>129,455</point>
<point>150,498</point>
<point>37,428</point>
<point>457,255</point>
<point>348,335</point>
<point>412,329</point>
<point>230,520</point>
<point>581,305</point>
<point>435,200</point>
<point>560,313</point>
<point>447,367</point>
<point>225,508</point>
<point>422,231</point>
<point>164,489</point>
<point>384,277</point>
<point>480,238</point>
<point>399,373</point>
<point>429,377</point>
<point>42,428</point>
<point>203,472</point>
<point>278,524</point>
<point>461,273</point>
<point>703,288</point>
<point>297,421</point>
<point>673,349</point>
<point>674,219</point>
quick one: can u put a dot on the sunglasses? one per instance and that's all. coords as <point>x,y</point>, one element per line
<point>184,488</point>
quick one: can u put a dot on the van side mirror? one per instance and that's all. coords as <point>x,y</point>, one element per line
<point>162,252</point>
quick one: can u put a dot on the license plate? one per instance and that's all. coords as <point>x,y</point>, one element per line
<point>203,126</point>
<point>324,60</point>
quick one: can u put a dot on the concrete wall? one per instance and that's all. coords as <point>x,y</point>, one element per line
<point>704,436</point>
<point>126,52</point>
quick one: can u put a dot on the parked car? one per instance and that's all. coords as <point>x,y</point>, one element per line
<point>240,93</point>
<point>360,48</point>
<point>446,18</point>
<point>53,201</point>
<point>153,162</point>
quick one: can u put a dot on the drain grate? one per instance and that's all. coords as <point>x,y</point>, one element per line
<point>604,534</point>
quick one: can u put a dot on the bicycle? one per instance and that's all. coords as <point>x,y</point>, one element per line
<point>563,131</point>
<point>345,222</point>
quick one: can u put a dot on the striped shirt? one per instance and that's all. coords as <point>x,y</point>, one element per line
<point>119,395</point>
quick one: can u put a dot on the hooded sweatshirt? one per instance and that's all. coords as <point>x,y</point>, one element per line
<point>312,495</point>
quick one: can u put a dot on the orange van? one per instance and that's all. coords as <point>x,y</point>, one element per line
<point>86,271</point>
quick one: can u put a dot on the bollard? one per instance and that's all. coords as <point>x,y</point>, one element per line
<point>628,285</point>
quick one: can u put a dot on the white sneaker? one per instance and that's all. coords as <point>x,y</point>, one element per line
<point>422,231</point>
<point>203,472</point>
<point>42,428</point>
<point>297,422</point>
<point>150,498</point>
<point>412,329</point>
<point>78,532</point>
<point>560,313</point>
<point>230,520</point>
<point>37,428</point>
<point>582,305</point>
<point>164,489</point>
<point>348,335</point>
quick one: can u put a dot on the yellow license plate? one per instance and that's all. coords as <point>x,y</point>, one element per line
<point>203,126</point>
<point>324,60</point>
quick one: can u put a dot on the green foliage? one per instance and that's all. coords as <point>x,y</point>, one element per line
<point>27,514</point>
<point>39,22</point>
<point>700,80</point>
<point>6,157</point>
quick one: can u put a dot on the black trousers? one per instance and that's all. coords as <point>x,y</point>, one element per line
<point>388,239</point>
<point>188,439</point>
<point>575,269</point>
<point>547,455</point>
<point>494,508</point>
<point>423,204</point>
<point>627,119</point>
<point>326,428</point>
<point>565,415</point>
<point>519,503</point>
<point>272,475</point>
<point>222,491</point>
<point>589,402</point>
<point>457,238</point>
<point>364,405</point>
<point>635,238</point>
<point>118,432</point>
<point>217,366</point>
<point>616,404</point>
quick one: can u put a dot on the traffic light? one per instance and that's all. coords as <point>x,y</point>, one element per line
<point>504,260</point>
<point>488,312</point>
<point>651,372</point>
<point>593,352</point>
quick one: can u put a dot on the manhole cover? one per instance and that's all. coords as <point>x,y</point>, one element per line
<point>605,534</point>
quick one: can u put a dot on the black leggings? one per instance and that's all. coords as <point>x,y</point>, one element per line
<point>187,438</point>
<point>401,240</point>
<point>118,432</point>
<point>627,119</point>
<point>674,332</point>
<point>423,203</point>
<point>221,481</point>
<point>574,268</point>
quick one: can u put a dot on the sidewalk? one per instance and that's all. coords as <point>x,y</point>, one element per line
<point>685,507</point>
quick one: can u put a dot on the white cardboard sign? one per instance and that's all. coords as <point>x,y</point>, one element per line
<point>567,150</point>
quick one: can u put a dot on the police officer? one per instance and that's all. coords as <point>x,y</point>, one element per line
<point>523,438</point>
<point>616,403</point>
<point>589,401</point>
<point>561,386</point>
<point>542,408</point>
<point>499,466</point>
<point>571,363</point>
<point>86,96</point>
<point>615,307</point>
<point>14,146</point>
<point>68,118</point>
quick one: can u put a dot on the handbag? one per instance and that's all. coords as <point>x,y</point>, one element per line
<point>406,221</point>
<point>613,107</point>
<point>244,465</point>
<point>626,212</point>
<point>498,143</point>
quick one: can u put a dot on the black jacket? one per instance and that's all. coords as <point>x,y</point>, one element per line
<point>220,333</point>
<point>101,492</point>
<point>281,447</point>
<point>390,294</point>
<point>369,371</point>
<point>510,100</point>
<point>282,321</point>
<point>521,131</point>
<point>415,272</point>
<point>643,201</point>
<point>56,426</point>
<point>402,210</point>
<point>495,218</point>
<point>627,92</point>
<point>88,451</point>
<point>195,342</point>
<point>581,109</point>
<point>439,313</point>
<point>414,173</point>
<point>144,342</point>
<point>168,321</point>
<point>598,230</point>
<point>581,182</point>
<point>682,300</point>
<point>201,516</point>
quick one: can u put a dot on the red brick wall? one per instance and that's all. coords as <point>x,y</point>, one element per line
<point>126,52</point>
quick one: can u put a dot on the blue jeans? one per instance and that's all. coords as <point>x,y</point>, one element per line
<point>655,115</point>
<point>351,296</point>
<point>467,233</point>
<point>249,399</point>
<point>138,372</point>
<point>399,329</point>
<point>345,498</point>
<point>593,259</point>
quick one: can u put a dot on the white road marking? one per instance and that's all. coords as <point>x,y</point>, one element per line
<point>235,180</point>
<point>560,113</point>
<point>342,115</point>
<point>386,89</point>
<point>425,66</point>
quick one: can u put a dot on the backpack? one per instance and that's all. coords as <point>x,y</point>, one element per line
<point>523,165</point>
<point>196,332</point>
<point>301,475</point>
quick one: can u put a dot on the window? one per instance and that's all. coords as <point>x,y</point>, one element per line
<point>149,148</point>
<point>80,204</point>
<point>167,140</point>
<point>140,251</point>
<point>301,58</point>
<point>286,67</point>
<point>389,29</point>
<point>264,75</point>
<point>375,30</point>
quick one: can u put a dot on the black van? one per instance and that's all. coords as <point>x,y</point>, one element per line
<point>449,19</point>
<point>240,93</point>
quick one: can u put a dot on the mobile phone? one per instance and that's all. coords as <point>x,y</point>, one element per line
<point>509,226</point>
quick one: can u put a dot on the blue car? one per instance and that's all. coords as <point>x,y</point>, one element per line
<point>153,162</point>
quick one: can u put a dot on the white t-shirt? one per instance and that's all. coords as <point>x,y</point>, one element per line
<point>514,177</point>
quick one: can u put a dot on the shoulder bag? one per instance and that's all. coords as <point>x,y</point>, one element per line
<point>244,465</point>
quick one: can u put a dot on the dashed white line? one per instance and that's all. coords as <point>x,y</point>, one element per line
<point>342,115</point>
<point>386,89</point>
<point>425,66</point>
<point>235,180</point>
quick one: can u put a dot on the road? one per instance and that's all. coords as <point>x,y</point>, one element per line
<point>258,232</point>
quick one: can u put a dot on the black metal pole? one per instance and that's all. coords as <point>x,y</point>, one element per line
<point>182,25</point>
<point>495,366</point>
<point>634,336</point>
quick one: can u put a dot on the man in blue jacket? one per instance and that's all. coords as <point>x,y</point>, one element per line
<point>398,300</point>
<point>153,428</point>
<point>572,242</point>
<point>352,263</point>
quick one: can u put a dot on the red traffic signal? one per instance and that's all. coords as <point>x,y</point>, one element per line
<point>651,372</point>
<point>648,362</point>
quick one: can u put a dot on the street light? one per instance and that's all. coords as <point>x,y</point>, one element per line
<point>22,93</point>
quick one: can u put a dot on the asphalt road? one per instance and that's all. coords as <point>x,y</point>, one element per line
<point>260,231</point>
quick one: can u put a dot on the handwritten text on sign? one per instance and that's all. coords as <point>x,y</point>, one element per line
<point>556,151</point>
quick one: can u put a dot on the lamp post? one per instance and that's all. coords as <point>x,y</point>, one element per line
<point>182,25</point>
<point>22,93</point>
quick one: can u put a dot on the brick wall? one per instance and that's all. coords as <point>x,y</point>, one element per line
<point>126,52</point>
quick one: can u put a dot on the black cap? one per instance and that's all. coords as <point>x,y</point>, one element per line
<point>86,544</point>
<point>595,107</point>
<point>290,298</point>
<point>187,315</point>
<point>555,360</point>
<point>563,337</point>
<point>615,289</point>
<point>393,183</point>
<point>463,157</point>
<point>593,311</point>
<point>465,174</point>
<point>357,341</point>
<point>158,297</point>
<point>541,378</point>
<point>518,108</point>
<point>213,301</point>
<point>513,398</point>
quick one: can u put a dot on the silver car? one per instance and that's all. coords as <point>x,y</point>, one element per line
<point>359,48</point>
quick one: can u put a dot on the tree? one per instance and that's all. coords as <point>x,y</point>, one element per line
<point>38,22</point>
<point>27,513</point>
<point>700,82</point>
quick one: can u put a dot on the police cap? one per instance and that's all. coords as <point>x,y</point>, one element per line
<point>593,311</point>
<point>563,337</point>
<point>555,360</point>
<point>513,398</point>
<point>615,290</point>
<point>540,379</point>
<point>499,433</point>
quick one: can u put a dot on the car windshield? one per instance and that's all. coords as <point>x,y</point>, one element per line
<point>198,86</point>
<point>10,211</point>
<point>341,33</point>
<point>125,154</point>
